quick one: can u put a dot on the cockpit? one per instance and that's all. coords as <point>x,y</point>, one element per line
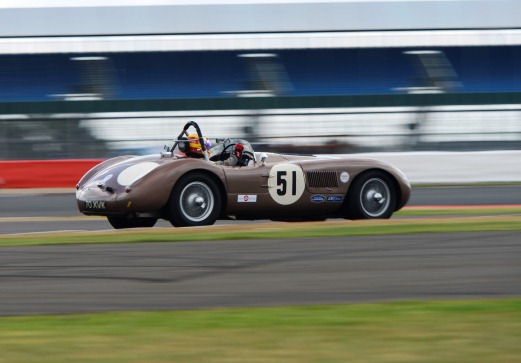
<point>198,146</point>
<point>221,150</point>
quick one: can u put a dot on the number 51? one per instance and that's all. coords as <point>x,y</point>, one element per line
<point>282,183</point>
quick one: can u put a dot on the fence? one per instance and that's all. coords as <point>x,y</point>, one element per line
<point>100,129</point>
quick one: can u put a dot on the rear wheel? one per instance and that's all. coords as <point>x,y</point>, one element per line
<point>195,201</point>
<point>124,222</point>
<point>372,195</point>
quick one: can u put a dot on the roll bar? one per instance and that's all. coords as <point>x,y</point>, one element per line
<point>199,134</point>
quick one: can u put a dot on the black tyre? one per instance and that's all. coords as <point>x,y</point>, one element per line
<point>124,222</point>
<point>372,195</point>
<point>195,201</point>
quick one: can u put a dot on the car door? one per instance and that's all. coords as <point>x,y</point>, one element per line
<point>247,189</point>
<point>276,189</point>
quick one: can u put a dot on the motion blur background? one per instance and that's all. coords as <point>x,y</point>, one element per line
<point>94,79</point>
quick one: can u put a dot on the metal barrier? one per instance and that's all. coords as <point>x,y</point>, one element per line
<point>339,124</point>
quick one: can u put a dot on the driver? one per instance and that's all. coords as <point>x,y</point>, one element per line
<point>235,156</point>
<point>192,148</point>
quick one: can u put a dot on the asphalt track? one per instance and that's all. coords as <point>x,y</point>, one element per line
<point>19,212</point>
<point>209,274</point>
<point>157,276</point>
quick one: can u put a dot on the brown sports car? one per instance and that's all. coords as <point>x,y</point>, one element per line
<point>193,184</point>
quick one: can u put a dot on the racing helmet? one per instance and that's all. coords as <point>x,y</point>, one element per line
<point>192,147</point>
<point>238,149</point>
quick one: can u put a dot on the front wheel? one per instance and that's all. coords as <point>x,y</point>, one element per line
<point>124,222</point>
<point>195,201</point>
<point>371,196</point>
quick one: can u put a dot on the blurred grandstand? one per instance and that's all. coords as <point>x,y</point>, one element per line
<point>94,80</point>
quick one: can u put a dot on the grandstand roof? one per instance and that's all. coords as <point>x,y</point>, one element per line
<point>26,18</point>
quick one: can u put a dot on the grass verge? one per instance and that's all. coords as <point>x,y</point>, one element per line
<point>431,211</point>
<point>443,331</point>
<point>272,230</point>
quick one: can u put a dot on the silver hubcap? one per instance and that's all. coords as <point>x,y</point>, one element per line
<point>196,201</point>
<point>375,197</point>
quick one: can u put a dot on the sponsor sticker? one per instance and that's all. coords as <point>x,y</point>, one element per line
<point>335,198</point>
<point>95,204</point>
<point>248,198</point>
<point>344,177</point>
<point>318,199</point>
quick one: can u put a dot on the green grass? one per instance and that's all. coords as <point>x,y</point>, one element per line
<point>273,230</point>
<point>448,331</point>
<point>469,184</point>
<point>458,211</point>
<point>444,331</point>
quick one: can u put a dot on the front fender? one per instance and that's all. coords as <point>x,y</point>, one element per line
<point>112,161</point>
<point>152,192</point>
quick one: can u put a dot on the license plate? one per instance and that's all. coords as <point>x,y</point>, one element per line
<point>95,204</point>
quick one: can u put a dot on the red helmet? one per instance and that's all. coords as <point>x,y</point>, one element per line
<point>238,149</point>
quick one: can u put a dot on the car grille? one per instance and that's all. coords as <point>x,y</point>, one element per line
<point>322,179</point>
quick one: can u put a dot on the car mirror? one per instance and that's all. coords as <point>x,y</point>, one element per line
<point>263,157</point>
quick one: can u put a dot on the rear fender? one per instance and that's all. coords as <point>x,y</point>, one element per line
<point>402,191</point>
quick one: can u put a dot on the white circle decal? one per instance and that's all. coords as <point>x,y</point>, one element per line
<point>286,183</point>
<point>344,177</point>
<point>135,172</point>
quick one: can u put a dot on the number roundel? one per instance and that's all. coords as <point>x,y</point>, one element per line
<point>286,183</point>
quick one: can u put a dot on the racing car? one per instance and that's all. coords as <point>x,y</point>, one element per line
<point>192,183</point>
